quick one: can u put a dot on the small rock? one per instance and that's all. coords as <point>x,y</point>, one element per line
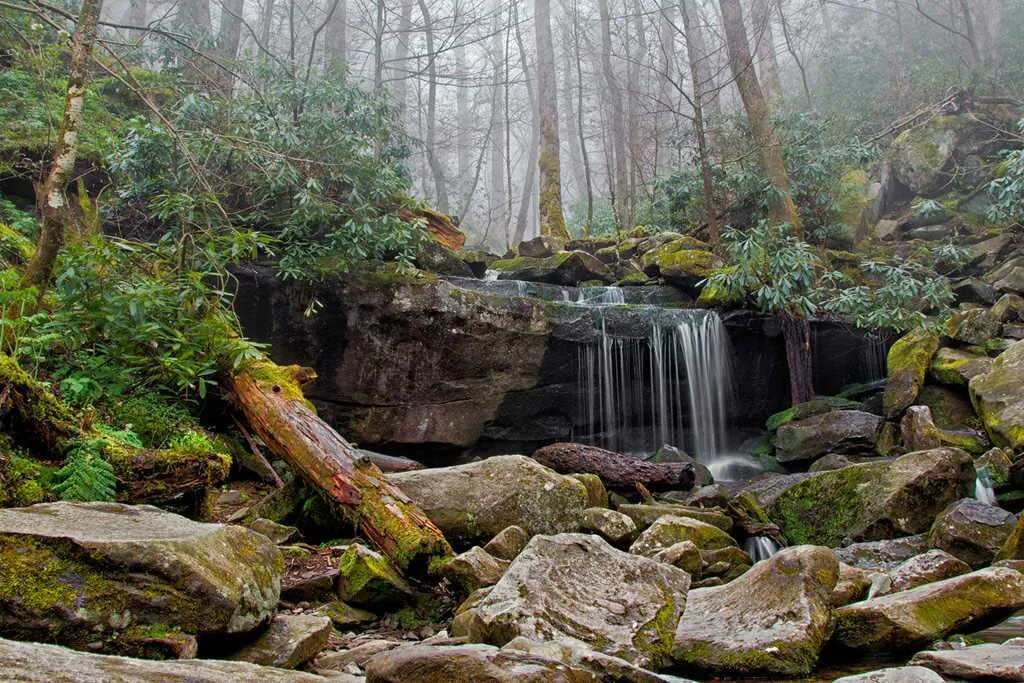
<point>933,565</point>
<point>475,568</point>
<point>614,527</point>
<point>645,515</point>
<point>597,494</point>
<point>278,533</point>
<point>988,662</point>
<point>290,641</point>
<point>972,531</point>
<point>685,555</point>
<point>508,543</point>
<point>853,585</point>
<point>468,664</point>
<point>670,529</point>
<point>896,674</point>
<point>344,616</point>
<point>541,246</point>
<point>883,555</point>
<point>358,655</point>
<point>367,578</point>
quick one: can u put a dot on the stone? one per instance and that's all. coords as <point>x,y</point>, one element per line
<point>874,501</point>
<point>566,268</point>
<point>886,229</point>
<point>540,246</point>
<point>831,461</point>
<point>916,617</point>
<point>358,655</point>
<point>597,494</point>
<point>995,466</point>
<point>837,431</point>
<point>930,160</point>
<point>957,367</point>
<point>39,663</point>
<point>853,585</point>
<point>934,565</point>
<point>1008,308</point>
<point>436,258</point>
<point>278,533</point>
<point>478,261</point>
<point>971,290</point>
<point>508,542</point>
<point>972,531</point>
<point>1013,547</point>
<point>469,664</point>
<point>366,578</point>
<point>475,568</point>
<point>685,555</point>
<point>612,526</point>
<point>80,573</point>
<point>343,615</point>
<point>894,674</point>
<point>772,620</point>
<point>578,587</point>
<point>644,515</point>
<point>473,502</point>
<point>681,261</point>
<point>670,529</point>
<point>998,397</point>
<point>311,585</point>
<point>290,641</point>
<point>605,667</point>
<point>973,326</point>
<point>985,662</point>
<point>907,362</point>
<point>918,431</point>
<point>885,554</point>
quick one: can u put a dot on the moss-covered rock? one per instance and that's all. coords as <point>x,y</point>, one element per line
<point>913,618</point>
<point>567,268</point>
<point>646,514</point>
<point>772,620</point>
<point>455,663</point>
<point>577,587</point>
<point>816,406</point>
<point>475,569</point>
<point>683,261</point>
<point>973,326</point>
<point>366,578</point>
<point>836,431</point>
<point>508,542</point>
<point>612,526</point>
<point>972,531</point>
<point>1013,547</point>
<point>669,530</point>
<point>80,573</point>
<point>874,501</point>
<point>934,565</point>
<point>918,430</point>
<point>908,361</point>
<point>998,397</point>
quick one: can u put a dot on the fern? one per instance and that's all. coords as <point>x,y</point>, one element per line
<point>85,476</point>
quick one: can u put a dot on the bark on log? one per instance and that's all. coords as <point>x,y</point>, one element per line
<point>440,227</point>
<point>390,463</point>
<point>618,472</point>
<point>270,397</point>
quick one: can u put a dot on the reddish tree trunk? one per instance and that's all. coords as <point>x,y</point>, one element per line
<point>797,334</point>
<point>617,471</point>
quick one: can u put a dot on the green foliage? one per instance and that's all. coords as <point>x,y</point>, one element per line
<point>1007,191</point>
<point>85,476</point>
<point>154,418</point>
<point>319,166</point>
<point>193,440</point>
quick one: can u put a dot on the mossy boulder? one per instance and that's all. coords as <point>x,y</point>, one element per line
<point>646,514</point>
<point>973,326</point>
<point>773,620</point>
<point>366,578</point>
<point>874,501</point>
<point>1013,547</point>
<point>566,268</point>
<point>816,406</point>
<point>911,619</point>
<point>669,530</point>
<point>81,573</point>
<point>837,431</point>
<point>856,205</point>
<point>972,531</point>
<point>998,397</point>
<point>907,362</point>
<point>473,502</point>
<point>957,367</point>
<point>290,641</point>
<point>918,430</point>
<point>579,588</point>
<point>682,261</point>
<point>612,526</point>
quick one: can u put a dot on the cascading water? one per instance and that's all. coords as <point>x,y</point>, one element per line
<point>760,548</point>
<point>983,490</point>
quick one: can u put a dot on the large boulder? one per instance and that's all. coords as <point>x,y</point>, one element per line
<point>907,363</point>
<point>874,501</point>
<point>471,503</point>
<point>957,366</point>
<point>837,431</point>
<point>1013,548</point>
<point>82,573</point>
<point>998,397</point>
<point>916,617</point>
<point>972,531</point>
<point>290,641</point>
<point>934,565</point>
<point>772,620</point>
<point>883,555</point>
<point>578,587</point>
<point>985,662</point>
<point>894,674</point>
<point>38,663</point>
<point>566,268</point>
<point>669,530</point>
<point>684,261</point>
<point>973,326</point>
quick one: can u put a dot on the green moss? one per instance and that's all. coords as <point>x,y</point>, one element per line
<point>283,380</point>
<point>517,263</point>
<point>908,362</point>
<point>817,406</point>
<point>367,577</point>
<point>823,509</point>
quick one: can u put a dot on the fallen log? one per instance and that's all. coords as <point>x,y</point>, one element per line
<point>618,472</point>
<point>438,226</point>
<point>271,400</point>
<point>390,463</point>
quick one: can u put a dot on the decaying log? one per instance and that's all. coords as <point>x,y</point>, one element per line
<point>271,400</point>
<point>161,475</point>
<point>390,463</point>
<point>441,228</point>
<point>618,472</point>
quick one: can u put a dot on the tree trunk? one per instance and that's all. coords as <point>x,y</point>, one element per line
<point>229,40</point>
<point>620,171</point>
<point>768,146</point>
<point>707,81</point>
<point>767,62</point>
<point>266,23</point>
<point>707,185</point>
<point>433,159</point>
<point>796,332</point>
<point>271,400</point>
<point>552,220</point>
<point>580,121</point>
<point>336,40</point>
<point>523,219</point>
<point>618,472</point>
<point>51,197</point>
<point>497,212</point>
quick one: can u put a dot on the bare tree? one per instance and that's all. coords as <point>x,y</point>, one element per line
<point>768,65</point>
<point>621,200</point>
<point>433,158</point>
<point>552,220</point>
<point>336,38</point>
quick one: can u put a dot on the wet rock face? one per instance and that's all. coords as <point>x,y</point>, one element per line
<point>998,396</point>
<point>772,620</point>
<point>972,531</point>
<point>577,587</point>
<point>79,573</point>
<point>908,361</point>
<point>837,431</point>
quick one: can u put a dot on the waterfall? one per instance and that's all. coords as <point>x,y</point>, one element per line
<point>672,387</point>
<point>760,548</point>
<point>983,490</point>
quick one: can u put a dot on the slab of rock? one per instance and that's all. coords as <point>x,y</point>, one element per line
<point>278,533</point>
<point>610,525</point>
<point>358,655</point>
<point>998,397</point>
<point>987,662</point>
<point>468,664</point>
<point>1013,548</point>
<point>579,587</point>
<point>366,578</point>
<point>508,543</point>
<point>566,268</point>
<point>38,663</point>
<point>476,568</point>
<point>853,585</point>
<point>644,515</point>
<point>605,667</point>
<point>934,565</point>
<point>874,501</point>
<point>686,556</point>
<point>916,617</point>
<point>290,641</point>
<point>895,674</point>
<point>883,555</point>
<point>907,362</point>
<point>837,431</point>
<point>918,429</point>
<point>957,367</point>
<point>669,530</point>
<point>77,573</point>
<point>471,503</point>
<point>972,531</point>
<point>772,620</point>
